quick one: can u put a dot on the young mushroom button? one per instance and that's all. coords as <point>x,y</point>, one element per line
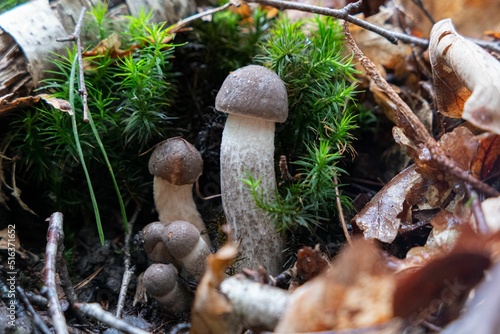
<point>160,281</point>
<point>176,165</point>
<point>185,244</point>
<point>254,98</point>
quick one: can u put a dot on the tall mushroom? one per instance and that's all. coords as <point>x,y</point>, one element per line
<point>255,98</point>
<point>176,165</point>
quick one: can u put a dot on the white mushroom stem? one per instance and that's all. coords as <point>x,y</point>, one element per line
<point>176,203</point>
<point>247,149</point>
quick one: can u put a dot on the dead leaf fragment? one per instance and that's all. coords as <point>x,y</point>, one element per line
<point>384,54</point>
<point>471,17</point>
<point>486,164</point>
<point>29,101</point>
<point>212,312</point>
<point>438,290</point>
<point>383,215</point>
<point>355,293</point>
<point>466,78</point>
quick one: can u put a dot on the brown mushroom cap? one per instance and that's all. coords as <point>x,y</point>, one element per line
<point>254,91</point>
<point>182,238</point>
<point>160,279</point>
<point>176,161</point>
<point>152,235</point>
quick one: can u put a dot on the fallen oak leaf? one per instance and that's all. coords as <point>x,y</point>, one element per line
<point>466,78</point>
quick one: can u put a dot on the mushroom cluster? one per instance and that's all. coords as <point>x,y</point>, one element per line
<point>255,98</point>
<point>177,244</point>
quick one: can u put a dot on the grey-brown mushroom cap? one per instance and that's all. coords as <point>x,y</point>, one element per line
<point>254,91</point>
<point>177,161</point>
<point>159,279</point>
<point>182,238</point>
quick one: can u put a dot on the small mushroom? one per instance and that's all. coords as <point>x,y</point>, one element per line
<point>160,281</point>
<point>152,235</point>
<point>185,244</point>
<point>176,165</point>
<point>255,98</point>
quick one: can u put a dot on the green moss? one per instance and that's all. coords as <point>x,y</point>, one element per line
<point>318,132</point>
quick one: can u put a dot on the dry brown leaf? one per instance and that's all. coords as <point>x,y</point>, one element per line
<point>440,286</point>
<point>486,164</point>
<point>212,312</point>
<point>310,263</point>
<point>444,283</point>
<point>355,293</point>
<point>471,17</point>
<point>383,215</point>
<point>28,101</point>
<point>422,186</point>
<point>466,78</point>
<point>446,230</point>
<point>383,53</point>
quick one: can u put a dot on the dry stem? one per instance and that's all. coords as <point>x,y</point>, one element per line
<point>55,236</point>
<point>345,14</point>
<point>37,320</point>
<point>127,274</point>
<point>95,311</point>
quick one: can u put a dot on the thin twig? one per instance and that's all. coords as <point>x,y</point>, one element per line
<point>344,14</point>
<point>128,272</point>
<point>413,127</point>
<point>341,211</point>
<point>424,10</point>
<point>39,301</point>
<point>95,311</point>
<point>55,236</point>
<point>37,320</point>
<point>75,36</point>
<point>481,224</point>
<point>182,23</point>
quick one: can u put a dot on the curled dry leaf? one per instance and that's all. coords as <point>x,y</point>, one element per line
<point>481,311</point>
<point>486,164</point>
<point>422,186</point>
<point>28,101</point>
<point>466,78</point>
<point>383,215</point>
<point>212,312</point>
<point>440,287</point>
<point>355,293</point>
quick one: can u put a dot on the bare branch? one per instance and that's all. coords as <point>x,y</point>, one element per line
<point>344,14</point>
<point>55,236</point>
<point>95,311</point>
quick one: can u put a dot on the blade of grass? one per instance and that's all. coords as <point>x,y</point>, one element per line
<point>110,169</point>
<point>80,152</point>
